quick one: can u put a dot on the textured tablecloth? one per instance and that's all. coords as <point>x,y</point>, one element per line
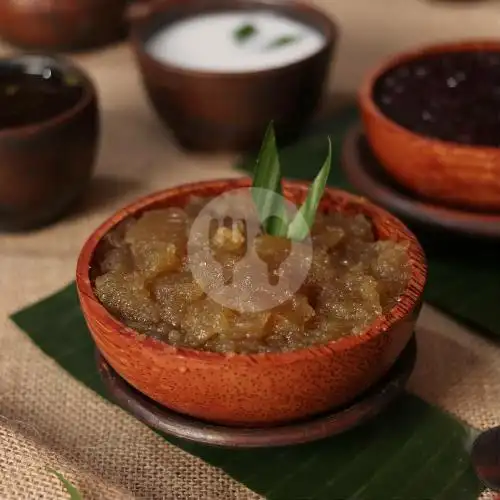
<point>49,419</point>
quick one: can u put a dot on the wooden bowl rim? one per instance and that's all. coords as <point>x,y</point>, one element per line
<point>409,299</point>
<point>89,93</point>
<point>297,6</point>
<point>367,103</point>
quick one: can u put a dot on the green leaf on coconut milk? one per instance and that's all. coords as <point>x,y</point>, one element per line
<point>244,32</point>
<point>283,40</point>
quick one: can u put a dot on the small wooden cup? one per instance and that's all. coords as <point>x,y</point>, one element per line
<point>262,389</point>
<point>45,166</point>
<point>60,25</point>
<point>211,111</point>
<point>447,172</point>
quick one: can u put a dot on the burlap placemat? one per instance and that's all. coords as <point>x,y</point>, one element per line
<point>49,419</point>
<point>46,417</point>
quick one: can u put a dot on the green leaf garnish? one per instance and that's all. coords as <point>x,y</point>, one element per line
<point>74,494</point>
<point>267,180</point>
<point>299,228</point>
<point>268,197</point>
<point>282,40</point>
<point>244,32</point>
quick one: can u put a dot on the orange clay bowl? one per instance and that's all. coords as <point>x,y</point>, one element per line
<point>260,389</point>
<point>447,172</point>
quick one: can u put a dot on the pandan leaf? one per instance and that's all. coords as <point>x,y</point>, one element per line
<point>244,32</point>
<point>267,179</point>
<point>299,228</point>
<point>74,494</point>
<point>283,40</point>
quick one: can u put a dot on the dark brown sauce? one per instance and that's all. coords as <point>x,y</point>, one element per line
<point>27,99</point>
<point>451,96</point>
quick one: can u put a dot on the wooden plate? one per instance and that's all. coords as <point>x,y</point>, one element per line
<point>371,403</point>
<point>366,174</point>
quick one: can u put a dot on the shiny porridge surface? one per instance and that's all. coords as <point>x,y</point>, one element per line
<point>144,279</point>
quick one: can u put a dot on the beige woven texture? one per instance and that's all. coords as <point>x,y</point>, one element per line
<point>48,419</point>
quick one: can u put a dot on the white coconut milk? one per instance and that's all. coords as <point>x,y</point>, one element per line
<point>235,42</point>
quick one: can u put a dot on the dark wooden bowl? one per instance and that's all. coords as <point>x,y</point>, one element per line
<point>336,421</point>
<point>230,111</point>
<point>62,24</point>
<point>456,174</point>
<point>261,389</point>
<point>46,163</point>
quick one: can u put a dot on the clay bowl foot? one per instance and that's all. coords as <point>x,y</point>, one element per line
<point>368,177</point>
<point>337,421</point>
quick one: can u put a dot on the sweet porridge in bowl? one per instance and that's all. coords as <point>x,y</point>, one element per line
<point>335,336</point>
<point>145,279</point>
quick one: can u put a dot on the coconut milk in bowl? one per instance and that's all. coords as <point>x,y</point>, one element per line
<point>218,72</point>
<point>235,42</point>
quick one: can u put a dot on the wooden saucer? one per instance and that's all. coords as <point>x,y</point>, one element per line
<point>371,403</point>
<point>366,174</point>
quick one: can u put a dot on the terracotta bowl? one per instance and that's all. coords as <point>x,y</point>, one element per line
<point>263,389</point>
<point>446,172</point>
<point>62,24</point>
<point>230,111</point>
<point>47,146</point>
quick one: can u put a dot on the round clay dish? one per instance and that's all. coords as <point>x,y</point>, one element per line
<point>365,407</point>
<point>445,171</point>
<point>366,174</point>
<point>264,389</point>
